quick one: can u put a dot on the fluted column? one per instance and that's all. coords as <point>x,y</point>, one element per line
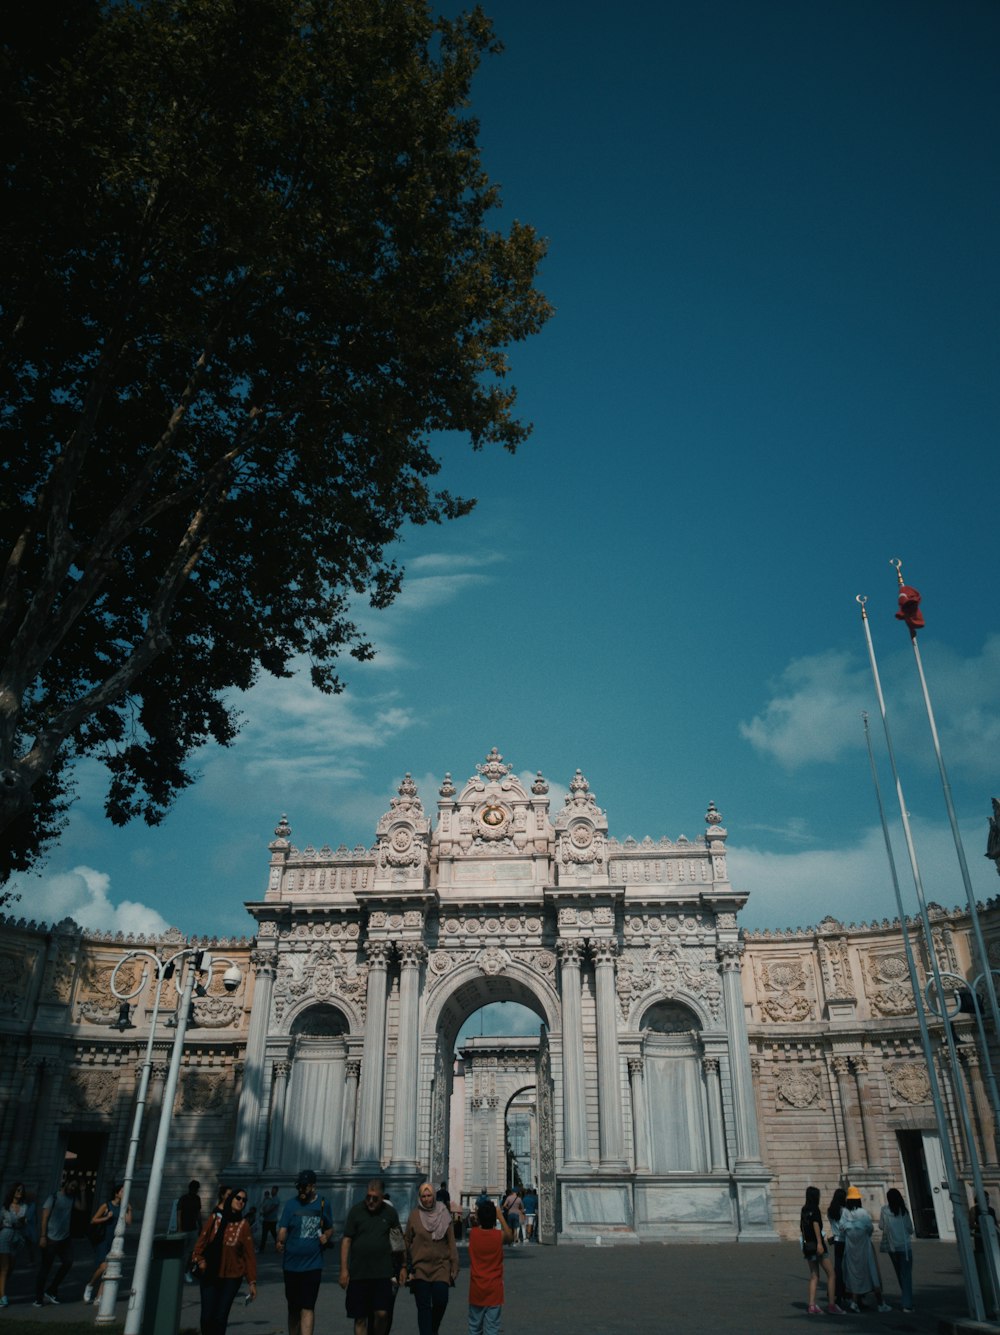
<point>981,1103</point>
<point>350,1113</point>
<point>276,1123</point>
<point>265,964</point>
<point>744,1107</point>
<point>404,1148</point>
<point>609,1092</point>
<point>860,1065</point>
<point>716,1125</point>
<point>842,1070</point>
<point>18,1158</point>
<point>154,1108</point>
<point>574,1088</point>
<point>640,1134</point>
<point>373,1059</point>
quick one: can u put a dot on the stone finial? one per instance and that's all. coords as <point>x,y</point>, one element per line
<point>493,769</point>
<point>578,784</point>
<point>713,816</point>
<point>407,788</point>
<point>447,788</point>
<point>283,830</point>
<point>539,787</point>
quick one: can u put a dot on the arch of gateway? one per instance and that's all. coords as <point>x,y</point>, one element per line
<point>685,1081</point>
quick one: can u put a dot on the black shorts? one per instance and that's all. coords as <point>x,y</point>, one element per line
<point>365,1296</point>
<point>302,1289</point>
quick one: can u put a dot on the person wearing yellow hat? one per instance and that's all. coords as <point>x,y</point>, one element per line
<point>860,1266</point>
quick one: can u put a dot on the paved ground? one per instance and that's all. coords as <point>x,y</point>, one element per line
<point>573,1290</point>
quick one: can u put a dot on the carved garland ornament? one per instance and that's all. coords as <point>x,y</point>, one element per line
<point>785,980</point>
<point>798,1088</point>
<point>92,1091</point>
<point>910,1083</point>
<point>889,989</point>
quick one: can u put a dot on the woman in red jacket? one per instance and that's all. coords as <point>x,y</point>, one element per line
<point>225,1256</point>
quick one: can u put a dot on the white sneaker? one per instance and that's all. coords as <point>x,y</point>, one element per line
<point>52,1298</point>
<point>88,1293</point>
<point>883,1307</point>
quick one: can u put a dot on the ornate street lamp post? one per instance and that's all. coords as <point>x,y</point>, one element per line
<point>198,962</point>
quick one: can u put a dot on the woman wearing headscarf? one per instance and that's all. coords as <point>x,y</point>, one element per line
<point>431,1264</point>
<point>860,1267</point>
<point>224,1255</point>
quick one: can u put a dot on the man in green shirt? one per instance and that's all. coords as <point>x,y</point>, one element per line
<point>366,1266</point>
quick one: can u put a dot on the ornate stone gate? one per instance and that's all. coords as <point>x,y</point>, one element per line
<point>370,960</point>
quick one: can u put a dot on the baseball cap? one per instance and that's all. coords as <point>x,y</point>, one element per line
<point>307,1178</point>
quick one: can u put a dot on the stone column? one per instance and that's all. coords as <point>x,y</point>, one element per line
<point>860,1065</point>
<point>350,1113</point>
<point>716,1124</point>
<point>574,1088</point>
<point>18,1157</point>
<point>980,1102</point>
<point>855,1154</point>
<point>153,1110</point>
<point>640,1135</point>
<point>404,1147</point>
<point>744,1107</point>
<point>609,1092</point>
<point>369,1153</point>
<point>276,1123</point>
<point>265,964</point>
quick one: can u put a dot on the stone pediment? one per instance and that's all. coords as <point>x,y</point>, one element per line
<point>493,819</point>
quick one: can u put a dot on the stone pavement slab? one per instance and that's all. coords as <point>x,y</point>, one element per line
<point>683,1289</point>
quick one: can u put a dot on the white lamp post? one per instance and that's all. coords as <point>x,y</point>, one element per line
<point>198,961</point>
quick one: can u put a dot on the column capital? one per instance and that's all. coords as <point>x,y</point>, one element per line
<point>282,1069</point>
<point>570,951</point>
<point>840,1066</point>
<point>730,955</point>
<point>378,953</point>
<point>411,954</point>
<point>710,1065</point>
<point>860,1065</point>
<point>354,1069</point>
<point>968,1056</point>
<point>604,949</point>
<point>264,961</point>
<point>636,1065</point>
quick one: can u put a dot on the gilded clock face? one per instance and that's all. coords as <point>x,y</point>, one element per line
<point>493,816</point>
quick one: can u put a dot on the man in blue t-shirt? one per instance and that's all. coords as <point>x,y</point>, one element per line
<point>306,1228</point>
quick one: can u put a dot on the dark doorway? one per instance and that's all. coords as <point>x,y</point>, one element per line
<point>85,1152</point>
<point>918,1184</point>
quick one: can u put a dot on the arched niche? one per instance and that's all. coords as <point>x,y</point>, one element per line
<point>315,1105</point>
<point>675,1090</point>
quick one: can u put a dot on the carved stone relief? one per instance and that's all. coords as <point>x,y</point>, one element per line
<point>909,1082</point>
<point>203,1091</point>
<point>91,1091</point>
<point>888,985</point>
<point>799,1087</point>
<point>782,991</point>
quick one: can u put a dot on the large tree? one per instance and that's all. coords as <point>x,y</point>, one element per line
<point>250,274</point>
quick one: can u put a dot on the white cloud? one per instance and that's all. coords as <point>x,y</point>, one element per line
<point>813,716</point>
<point>83,895</point>
<point>854,884</point>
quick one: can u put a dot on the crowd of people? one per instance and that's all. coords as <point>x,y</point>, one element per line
<point>378,1255</point>
<point>852,1272</point>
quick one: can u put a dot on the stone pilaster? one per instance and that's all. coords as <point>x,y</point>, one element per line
<point>841,1067</point>
<point>744,1107</point>
<point>352,1075</point>
<point>279,1094</point>
<point>574,1088</point>
<point>404,1151</point>
<point>716,1125</point>
<point>265,963</point>
<point>369,1150</point>
<point>611,1131</point>
<point>640,1132</point>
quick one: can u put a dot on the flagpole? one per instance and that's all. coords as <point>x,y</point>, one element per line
<point>963,1233</point>
<point>984,963</point>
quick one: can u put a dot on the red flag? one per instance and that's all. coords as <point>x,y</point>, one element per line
<point>909,608</point>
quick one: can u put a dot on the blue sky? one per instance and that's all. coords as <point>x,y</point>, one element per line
<point>773,366</point>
